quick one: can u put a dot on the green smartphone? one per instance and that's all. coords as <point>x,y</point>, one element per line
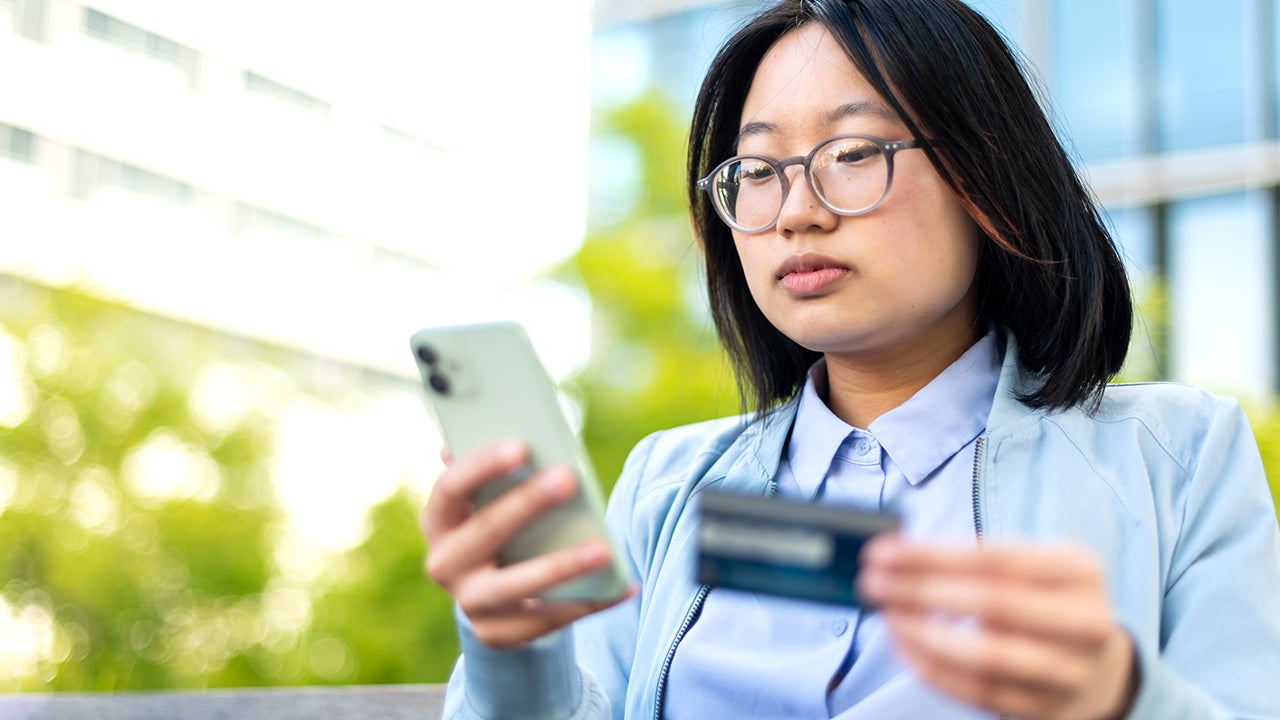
<point>484,383</point>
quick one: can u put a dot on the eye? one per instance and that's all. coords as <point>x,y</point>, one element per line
<point>854,152</point>
<point>755,171</point>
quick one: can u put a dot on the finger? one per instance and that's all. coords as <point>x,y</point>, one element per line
<point>1077,614</point>
<point>979,691</point>
<point>477,540</point>
<point>446,457</point>
<point>535,618</point>
<point>497,589</point>
<point>988,657</point>
<point>1047,564</point>
<point>450,501</point>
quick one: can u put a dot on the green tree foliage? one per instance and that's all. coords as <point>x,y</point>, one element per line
<point>655,361</point>
<point>392,625</point>
<point>134,537</point>
<point>1266,428</point>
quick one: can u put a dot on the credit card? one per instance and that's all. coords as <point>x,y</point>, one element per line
<point>783,547</point>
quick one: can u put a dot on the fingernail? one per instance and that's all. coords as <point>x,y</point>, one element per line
<point>509,450</point>
<point>557,485</point>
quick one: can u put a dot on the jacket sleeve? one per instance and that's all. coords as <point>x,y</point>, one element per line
<point>579,673</point>
<point>1220,626</point>
<point>539,680</point>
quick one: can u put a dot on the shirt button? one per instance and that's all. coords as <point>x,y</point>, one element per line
<point>838,627</point>
<point>862,446</point>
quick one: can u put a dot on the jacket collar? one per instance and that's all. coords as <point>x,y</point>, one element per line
<point>1015,381</point>
<point>768,436</point>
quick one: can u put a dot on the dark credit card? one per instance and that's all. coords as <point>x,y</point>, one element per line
<point>783,547</point>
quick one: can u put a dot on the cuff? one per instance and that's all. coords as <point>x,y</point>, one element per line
<point>1163,695</point>
<point>540,679</point>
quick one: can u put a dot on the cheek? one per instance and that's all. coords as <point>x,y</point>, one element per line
<point>944,245</point>
<point>751,256</point>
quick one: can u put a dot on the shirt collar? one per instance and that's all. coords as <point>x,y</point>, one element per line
<point>920,434</point>
<point>816,435</point>
<point>944,416</point>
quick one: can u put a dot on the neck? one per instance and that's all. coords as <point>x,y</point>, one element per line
<point>863,386</point>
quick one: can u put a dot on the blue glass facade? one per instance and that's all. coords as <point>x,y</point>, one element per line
<point>1171,107</point>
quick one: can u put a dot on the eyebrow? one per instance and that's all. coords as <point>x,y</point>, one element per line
<point>847,110</point>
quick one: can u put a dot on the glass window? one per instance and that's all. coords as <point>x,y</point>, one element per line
<point>22,144</point>
<point>619,66</point>
<point>1205,62</point>
<point>25,17</point>
<point>1095,76</point>
<point>283,93</point>
<point>681,46</point>
<point>17,143</point>
<point>144,182</point>
<point>1221,293</point>
<point>248,217</point>
<point>1007,16</point>
<point>1134,232</point>
<point>133,38</point>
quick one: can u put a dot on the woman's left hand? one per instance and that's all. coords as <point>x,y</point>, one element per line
<point>1019,630</point>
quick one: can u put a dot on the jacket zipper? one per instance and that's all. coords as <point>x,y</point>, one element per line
<point>978,450</point>
<point>689,618</point>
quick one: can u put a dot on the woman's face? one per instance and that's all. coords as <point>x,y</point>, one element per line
<point>897,279</point>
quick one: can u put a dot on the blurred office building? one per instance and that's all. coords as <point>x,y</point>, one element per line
<point>262,177</point>
<point>1170,108</point>
<point>159,153</point>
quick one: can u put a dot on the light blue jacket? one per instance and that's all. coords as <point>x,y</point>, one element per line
<point>1163,482</point>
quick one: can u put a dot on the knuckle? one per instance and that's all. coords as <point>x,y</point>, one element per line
<point>477,595</point>
<point>488,635</point>
<point>987,602</point>
<point>444,491</point>
<point>467,598</point>
<point>436,568</point>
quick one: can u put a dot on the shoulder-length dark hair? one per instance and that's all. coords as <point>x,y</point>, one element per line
<point>1048,268</point>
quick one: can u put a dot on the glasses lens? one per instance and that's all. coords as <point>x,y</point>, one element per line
<point>749,193</point>
<point>851,174</point>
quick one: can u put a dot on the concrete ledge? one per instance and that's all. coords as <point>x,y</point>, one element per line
<point>374,702</point>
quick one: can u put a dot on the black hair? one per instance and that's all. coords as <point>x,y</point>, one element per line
<point>1048,268</point>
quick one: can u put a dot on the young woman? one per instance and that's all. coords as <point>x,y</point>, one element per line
<point>922,302</point>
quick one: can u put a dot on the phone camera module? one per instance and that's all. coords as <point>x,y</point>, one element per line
<point>439,383</point>
<point>428,355</point>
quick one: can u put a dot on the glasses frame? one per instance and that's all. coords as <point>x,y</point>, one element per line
<point>888,147</point>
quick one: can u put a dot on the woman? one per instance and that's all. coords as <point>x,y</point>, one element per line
<point>921,300</point>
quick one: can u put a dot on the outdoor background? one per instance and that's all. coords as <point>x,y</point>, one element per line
<point>220,223</point>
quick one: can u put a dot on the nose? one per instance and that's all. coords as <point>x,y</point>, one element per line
<point>801,209</point>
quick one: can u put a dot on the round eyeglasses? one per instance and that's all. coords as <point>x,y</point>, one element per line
<point>850,175</point>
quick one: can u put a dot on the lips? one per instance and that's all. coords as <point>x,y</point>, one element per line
<point>810,273</point>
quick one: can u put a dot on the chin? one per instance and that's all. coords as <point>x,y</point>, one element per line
<point>836,340</point>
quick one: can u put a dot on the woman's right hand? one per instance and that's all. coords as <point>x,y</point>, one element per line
<point>462,546</point>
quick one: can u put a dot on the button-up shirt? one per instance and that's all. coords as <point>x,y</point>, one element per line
<point>758,656</point>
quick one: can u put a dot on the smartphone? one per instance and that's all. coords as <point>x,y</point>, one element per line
<point>485,383</point>
<point>783,547</point>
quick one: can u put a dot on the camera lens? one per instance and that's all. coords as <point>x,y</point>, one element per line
<point>439,383</point>
<point>428,354</point>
